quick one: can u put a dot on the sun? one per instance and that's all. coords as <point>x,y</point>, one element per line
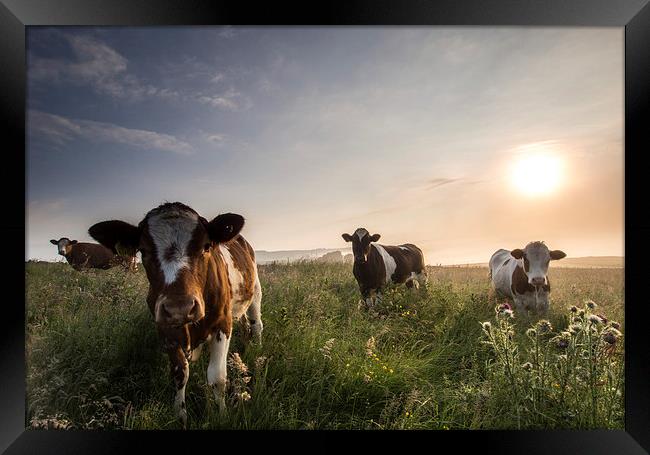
<point>537,171</point>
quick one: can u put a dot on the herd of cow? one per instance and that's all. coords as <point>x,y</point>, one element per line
<point>203,276</point>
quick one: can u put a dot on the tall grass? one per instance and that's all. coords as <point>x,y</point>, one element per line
<point>420,361</point>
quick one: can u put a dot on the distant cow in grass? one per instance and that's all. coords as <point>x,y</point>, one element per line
<point>202,277</point>
<point>521,275</point>
<point>82,255</point>
<point>376,265</point>
<point>85,255</point>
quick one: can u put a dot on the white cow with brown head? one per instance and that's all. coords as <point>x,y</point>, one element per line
<point>522,275</point>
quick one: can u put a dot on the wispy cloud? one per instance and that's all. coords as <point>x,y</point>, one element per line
<point>218,77</point>
<point>216,138</point>
<point>61,130</point>
<point>98,65</point>
<point>231,99</point>
<point>432,184</point>
<point>437,182</point>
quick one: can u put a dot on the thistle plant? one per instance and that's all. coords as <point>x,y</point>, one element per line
<point>239,379</point>
<point>577,369</point>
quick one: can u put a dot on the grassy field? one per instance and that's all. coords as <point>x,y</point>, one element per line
<point>423,361</point>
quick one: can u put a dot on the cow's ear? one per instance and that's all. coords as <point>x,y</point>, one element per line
<point>54,242</point>
<point>110,233</point>
<point>557,254</point>
<point>72,242</point>
<point>224,227</point>
<point>347,237</point>
<point>517,253</point>
<point>375,237</point>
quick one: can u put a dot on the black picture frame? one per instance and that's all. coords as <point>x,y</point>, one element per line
<point>633,15</point>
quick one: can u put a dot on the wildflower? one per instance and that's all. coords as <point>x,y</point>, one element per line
<point>370,346</point>
<point>486,325</point>
<point>390,371</point>
<point>326,350</point>
<point>347,365</point>
<point>611,335</point>
<point>503,307</point>
<point>238,364</point>
<point>505,310</point>
<point>573,309</point>
<point>244,396</point>
<point>527,366</point>
<point>562,340</point>
<point>407,414</point>
<point>544,326</point>
<point>590,304</point>
<point>603,318</point>
<point>615,325</point>
<point>594,319</point>
<point>259,362</point>
<point>574,328</point>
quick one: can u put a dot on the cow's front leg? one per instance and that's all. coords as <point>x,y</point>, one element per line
<point>377,298</point>
<point>520,306</point>
<point>219,345</point>
<point>180,371</point>
<point>367,299</point>
<point>363,302</point>
<point>541,301</point>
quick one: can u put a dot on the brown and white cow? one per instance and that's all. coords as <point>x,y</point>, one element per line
<point>81,255</point>
<point>202,276</point>
<point>522,275</point>
<point>376,265</point>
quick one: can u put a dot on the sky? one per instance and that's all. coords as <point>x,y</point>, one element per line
<point>460,140</point>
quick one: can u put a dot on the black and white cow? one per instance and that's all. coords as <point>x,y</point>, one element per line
<point>521,275</point>
<point>376,265</point>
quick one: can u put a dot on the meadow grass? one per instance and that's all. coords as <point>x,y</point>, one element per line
<point>422,361</point>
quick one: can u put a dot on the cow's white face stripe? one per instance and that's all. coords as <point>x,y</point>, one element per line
<point>172,230</point>
<point>389,262</point>
<point>361,233</point>
<point>62,246</point>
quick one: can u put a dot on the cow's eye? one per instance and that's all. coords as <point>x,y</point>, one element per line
<point>206,247</point>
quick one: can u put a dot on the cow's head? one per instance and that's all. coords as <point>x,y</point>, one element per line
<point>64,245</point>
<point>536,257</point>
<point>176,245</point>
<point>361,240</point>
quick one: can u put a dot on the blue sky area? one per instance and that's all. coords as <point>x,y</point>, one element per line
<point>411,132</point>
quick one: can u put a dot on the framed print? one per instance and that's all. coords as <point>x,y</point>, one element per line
<point>421,217</point>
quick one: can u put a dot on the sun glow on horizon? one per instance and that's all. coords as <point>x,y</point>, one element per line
<point>538,170</point>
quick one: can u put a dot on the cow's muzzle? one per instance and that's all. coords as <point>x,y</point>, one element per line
<point>538,281</point>
<point>179,310</point>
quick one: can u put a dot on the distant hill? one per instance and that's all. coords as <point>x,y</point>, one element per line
<point>592,261</point>
<point>581,262</point>
<point>265,257</point>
